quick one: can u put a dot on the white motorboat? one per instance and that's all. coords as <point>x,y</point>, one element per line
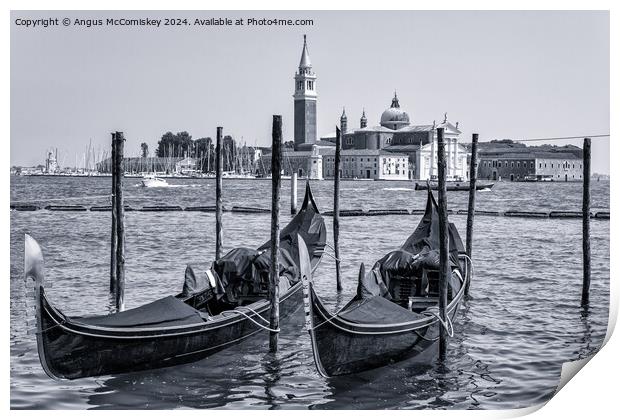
<point>153,182</point>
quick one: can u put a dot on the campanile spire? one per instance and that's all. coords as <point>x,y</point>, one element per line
<point>305,100</point>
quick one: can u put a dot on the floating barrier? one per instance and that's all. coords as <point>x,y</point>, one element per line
<point>422,211</point>
<point>240,209</point>
<point>486,213</point>
<point>386,212</point>
<point>567,214</point>
<point>109,208</point>
<point>526,214</point>
<point>346,213</point>
<point>161,208</point>
<point>24,207</point>
<point>65,208</point>
<point>601,215</point>
<point>201,208</point>
<point>481,213</point>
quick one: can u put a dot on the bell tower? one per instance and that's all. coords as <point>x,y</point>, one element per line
<point>305,101</point>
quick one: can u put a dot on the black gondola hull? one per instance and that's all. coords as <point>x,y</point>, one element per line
<point>342,348</point>
<point>71,351</point>
<point>341,352</point>
<point>175,330</point>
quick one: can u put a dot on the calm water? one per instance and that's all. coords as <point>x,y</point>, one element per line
<point>522,322</point>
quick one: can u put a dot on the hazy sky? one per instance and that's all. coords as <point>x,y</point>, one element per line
<point>501,74</point>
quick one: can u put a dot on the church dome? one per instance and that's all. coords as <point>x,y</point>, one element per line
<point>394,117</point>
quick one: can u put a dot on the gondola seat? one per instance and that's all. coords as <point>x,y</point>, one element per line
<point>165,312</point>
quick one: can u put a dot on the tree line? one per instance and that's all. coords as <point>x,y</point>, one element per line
<point>235,157</point>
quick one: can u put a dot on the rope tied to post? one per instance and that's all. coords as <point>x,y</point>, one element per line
<point>447,324</point>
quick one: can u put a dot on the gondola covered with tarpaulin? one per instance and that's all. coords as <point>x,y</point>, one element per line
<point>395,314</point>
<point>218,307</point>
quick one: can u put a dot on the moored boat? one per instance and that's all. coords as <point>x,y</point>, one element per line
<point>152,181</point>
<point>394,315</point>
<point>217,308</point>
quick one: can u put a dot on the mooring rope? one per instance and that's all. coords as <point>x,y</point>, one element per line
<point>471,267</point>
<point>331,256</point>
<point>447,324</point>
<point>250,318</point>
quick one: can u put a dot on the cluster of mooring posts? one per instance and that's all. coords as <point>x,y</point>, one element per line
<point>117,254</point>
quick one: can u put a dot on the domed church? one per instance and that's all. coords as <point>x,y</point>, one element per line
<point>396,134</point>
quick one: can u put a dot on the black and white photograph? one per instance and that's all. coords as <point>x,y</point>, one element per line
<point>306,209</point>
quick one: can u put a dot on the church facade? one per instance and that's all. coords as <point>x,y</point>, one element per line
<point>396,134</point>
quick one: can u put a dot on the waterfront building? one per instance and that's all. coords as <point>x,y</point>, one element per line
<point>512,161</point>
<point>51,163</point>
<point>533,165</point>
<point>419,142</point>
<point>186,166</point>
<point>304,163</point>
<point>368,164</point>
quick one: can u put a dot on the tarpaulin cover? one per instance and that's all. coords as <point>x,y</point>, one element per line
<point>245,271</point>
<point>377,310</point>
<point>420,251</point>
<point>168,311</point>
<point>372,285</point>
<point>309,224</point>
<point>426,236</point>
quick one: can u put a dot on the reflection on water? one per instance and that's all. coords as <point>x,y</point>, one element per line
<point>522,322</point>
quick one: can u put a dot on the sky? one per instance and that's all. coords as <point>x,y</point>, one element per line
<point>502,74</point>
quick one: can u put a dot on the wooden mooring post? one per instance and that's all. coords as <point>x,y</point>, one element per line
<point>218,194</point>
<point>444,261</point>
<point>114,221</point>
<point>119,168</point>
<point>585,293</point>
<point>471,207</point>
<point>294,193</point>
<point>336,216</point>
<point>274,272</point>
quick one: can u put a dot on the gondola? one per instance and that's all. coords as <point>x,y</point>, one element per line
<point>394,315</point>
<point>218,307</point>
<point>455,186</point>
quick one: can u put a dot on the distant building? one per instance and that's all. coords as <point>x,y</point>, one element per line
<point>419,142</point>
<point>51,163</point>
<point>511,161</point>
<point>368,164</point>
<point>306,164</point>
<point>186,166</point>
